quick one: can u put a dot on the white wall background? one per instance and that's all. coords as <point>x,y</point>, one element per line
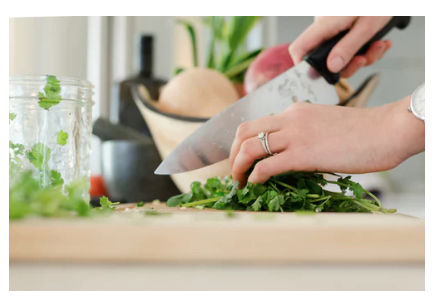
<point>48,46</point>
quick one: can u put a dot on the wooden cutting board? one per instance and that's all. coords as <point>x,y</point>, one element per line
<point>211,236</point>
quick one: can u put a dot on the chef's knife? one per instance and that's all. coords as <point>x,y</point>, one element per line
<point>309,80</point>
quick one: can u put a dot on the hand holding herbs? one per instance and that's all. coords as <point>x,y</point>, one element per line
<point>290,192</point>
<point>315,137</point>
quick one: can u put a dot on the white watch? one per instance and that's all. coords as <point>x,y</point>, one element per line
<point>417,102</point>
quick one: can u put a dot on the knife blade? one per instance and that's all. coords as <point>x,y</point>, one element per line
<point>309,80</point>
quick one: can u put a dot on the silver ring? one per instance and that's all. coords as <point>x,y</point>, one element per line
<point>263,137</point>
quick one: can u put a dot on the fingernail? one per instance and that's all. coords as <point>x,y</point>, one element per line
<point>336,64</point>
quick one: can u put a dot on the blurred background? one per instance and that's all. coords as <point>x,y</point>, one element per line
<point>109,52</point>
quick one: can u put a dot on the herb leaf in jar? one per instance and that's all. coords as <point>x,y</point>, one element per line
<point>51,95</point>
<point>62,138</point>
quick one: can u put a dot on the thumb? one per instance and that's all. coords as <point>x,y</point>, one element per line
<point>321,30</point>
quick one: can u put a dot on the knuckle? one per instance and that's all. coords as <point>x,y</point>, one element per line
<point>260,170</point>
<point>246,147</point>
<point>242,129</point>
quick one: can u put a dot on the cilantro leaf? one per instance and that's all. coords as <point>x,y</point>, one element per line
<point>56,178</point>
<point>39,155</point>
<point>17,148</point>
<point>51,95</point>
<point>106,204</point>
<point>62,138</point>
<point>275,203</point>
<point>140,204</point>
<point>12,116</point>
<point>225,200</point>
<point>177,200</point>
<point>257,205</point>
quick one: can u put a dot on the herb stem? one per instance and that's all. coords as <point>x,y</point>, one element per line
<point>285,185</point>
<point>374,197</point>
<point>321,199</point>
<point>207,201</point>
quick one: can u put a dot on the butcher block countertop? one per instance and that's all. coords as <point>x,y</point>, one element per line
<point>174,235</point>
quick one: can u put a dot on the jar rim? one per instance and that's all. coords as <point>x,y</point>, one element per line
<point>41,79</point>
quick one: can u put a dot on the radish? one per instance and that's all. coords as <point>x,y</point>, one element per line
<point>268,64</point>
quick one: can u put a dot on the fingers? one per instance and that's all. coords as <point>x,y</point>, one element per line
<point>250,129</point>
<point>374,53</point>
<point>361,32</point>
<point>252,150</point>
<point>269,167</point>
<point>317,33</point>
<point>357,63</point>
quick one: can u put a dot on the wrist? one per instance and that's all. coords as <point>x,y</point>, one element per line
<point>407,130</point>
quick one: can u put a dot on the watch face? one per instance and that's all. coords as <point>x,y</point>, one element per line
<point>418,102</point>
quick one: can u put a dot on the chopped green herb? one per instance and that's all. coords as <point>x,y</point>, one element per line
<point>154,212</point>
<point>27,197</point>
<point>39,155</point>
<point>56,179</point>
<point>62,138</point>
<point>12,116</point>
<point>139,204</point>
<point>17,149</point>
<point>106,205</point>
<point>51,95</point>
<point>307,100</point>
<point>289,192</point>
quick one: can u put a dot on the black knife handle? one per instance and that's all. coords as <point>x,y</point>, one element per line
<point>318,57</point>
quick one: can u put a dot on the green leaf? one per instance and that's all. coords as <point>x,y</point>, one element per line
<point>39,156</point>
<point>12,116</point>
<point>140,204</point>
<point>275,203</point>
<point>225,200</point>
<point>197,191</point>
<point>56,178</point>
<point>62,138</point>
<point>191,31</point>
<point>18,149</point>
<point>179,70</point>
<point>241,64</point>
<point>51,95</point>
<point>239,28</point>
<point>106,204</point>
<point>358,190</point>
<point>177,200</point>
<point>257,205</point>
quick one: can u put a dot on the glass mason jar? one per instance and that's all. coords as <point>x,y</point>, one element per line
<point>50,129</point>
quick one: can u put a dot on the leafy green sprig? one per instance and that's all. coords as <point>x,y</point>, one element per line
<point>290,192</point>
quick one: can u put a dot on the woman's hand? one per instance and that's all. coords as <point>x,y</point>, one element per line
<point>312,137</point>
<point>342,57</point>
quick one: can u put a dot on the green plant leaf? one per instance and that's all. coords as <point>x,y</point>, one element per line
<point>106,204</point>
<point>56,178</point>
<point>191,31</point>
<point>39,155</point>
<point>51,95</point>
<point>12,116</point>
<point>62,137</point>
<point>239,28</point>
<point>241,65</point>
<point>179,70</point>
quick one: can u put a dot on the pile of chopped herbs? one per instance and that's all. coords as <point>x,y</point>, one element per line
<point>28,198</point>
<point>289,192</point>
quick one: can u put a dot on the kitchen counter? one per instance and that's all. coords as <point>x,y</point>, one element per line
<point>184,277</point>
